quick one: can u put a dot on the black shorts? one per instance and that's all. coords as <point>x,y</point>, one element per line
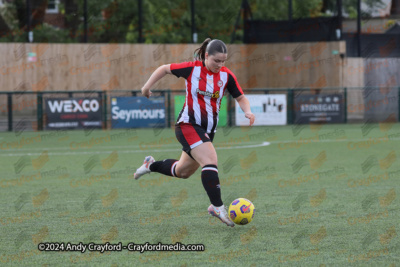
<point>191,135</point>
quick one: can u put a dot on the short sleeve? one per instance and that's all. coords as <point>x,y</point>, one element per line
<point>233,86</point>
<point>183,69</point>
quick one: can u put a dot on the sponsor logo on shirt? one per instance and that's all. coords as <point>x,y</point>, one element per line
<point>205,93</point>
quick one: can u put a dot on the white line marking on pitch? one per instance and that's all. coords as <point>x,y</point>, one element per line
<point>217,145</point>
<point>103,147</point>
<point>124,151</point>
<point>174,149</point>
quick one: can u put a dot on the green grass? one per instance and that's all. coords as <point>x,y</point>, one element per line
<point>328,199</point>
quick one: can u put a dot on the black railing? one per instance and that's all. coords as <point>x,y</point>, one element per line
<point>105,96</point>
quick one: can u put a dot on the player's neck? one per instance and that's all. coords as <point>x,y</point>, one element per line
<point>205,65</point>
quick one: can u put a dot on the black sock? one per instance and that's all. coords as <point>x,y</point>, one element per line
<point>166,167</point>
<point>209,177</point>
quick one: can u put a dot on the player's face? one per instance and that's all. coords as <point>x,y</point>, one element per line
<point>215,62</point>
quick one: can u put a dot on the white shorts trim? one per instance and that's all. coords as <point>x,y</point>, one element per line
<point>196,144</point>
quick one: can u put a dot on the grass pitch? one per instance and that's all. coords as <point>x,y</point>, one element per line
<point>324,195</point>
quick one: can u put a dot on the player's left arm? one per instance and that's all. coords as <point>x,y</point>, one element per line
<point>245,106</point>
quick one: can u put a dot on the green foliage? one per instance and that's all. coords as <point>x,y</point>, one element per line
<point>107,20</point>
<point>306,8</point>
<point>350,7</point>
<point>269,9</point>
<point>279,10</point>
<point>216,19</point>
<point>46,33</point>
<point>166,21</point>
<point>42,34</point>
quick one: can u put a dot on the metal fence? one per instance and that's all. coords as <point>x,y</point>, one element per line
<point>367,104</point>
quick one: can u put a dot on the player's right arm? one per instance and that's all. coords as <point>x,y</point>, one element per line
<point>159,73</point>
<point>183,69</point>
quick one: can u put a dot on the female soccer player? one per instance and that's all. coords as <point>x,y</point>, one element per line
<point>206,82</point>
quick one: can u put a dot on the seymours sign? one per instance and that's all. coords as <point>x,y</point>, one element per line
<point>327,108</point>
<point>73,113</point>
<point>138,112</point>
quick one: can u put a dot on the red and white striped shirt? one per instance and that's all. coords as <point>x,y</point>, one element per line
<point>204,91</point>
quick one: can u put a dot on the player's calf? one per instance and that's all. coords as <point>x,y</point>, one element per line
<point>166,167</point>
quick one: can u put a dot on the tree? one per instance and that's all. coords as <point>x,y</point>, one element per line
<point>15,15</point>
<point>164,21</point>
<point>279,10</point>
<point>350,7</point>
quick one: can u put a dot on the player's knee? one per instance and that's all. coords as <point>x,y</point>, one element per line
<point>184,175</point>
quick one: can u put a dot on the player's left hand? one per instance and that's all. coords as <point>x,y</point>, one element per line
<point>251,117</point>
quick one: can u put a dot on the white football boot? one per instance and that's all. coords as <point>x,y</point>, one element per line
<point>220,213</point>
<point>145,168</point>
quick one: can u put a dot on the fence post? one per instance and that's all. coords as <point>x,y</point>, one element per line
<point>229,99</point>
<point>39,111</point>
<point>169,108</point>
<point>398,99</point>
<point>290,109</point>
<point>345,105</point>
<point>9,110</point>
<point>103,95</point>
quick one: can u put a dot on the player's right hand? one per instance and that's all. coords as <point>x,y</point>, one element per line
<point>146,92</point>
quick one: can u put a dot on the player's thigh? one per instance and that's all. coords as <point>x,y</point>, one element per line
<point>205,154</point>
<point>186,166</point>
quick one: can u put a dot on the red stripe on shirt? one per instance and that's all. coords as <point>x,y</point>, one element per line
<point>189,97</point>
<point>202,103</point>
<point>213,101</point>
<point>176,66</point>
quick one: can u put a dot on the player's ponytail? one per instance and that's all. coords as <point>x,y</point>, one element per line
<point>200,53</point>
<point>211,47</point>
